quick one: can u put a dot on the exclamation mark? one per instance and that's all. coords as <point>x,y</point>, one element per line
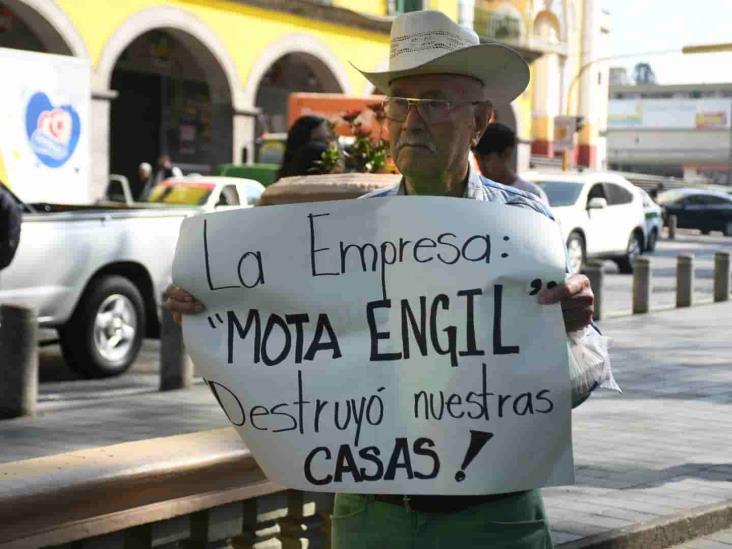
<point>477,441</point>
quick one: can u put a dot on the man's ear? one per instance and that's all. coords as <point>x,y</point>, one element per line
<point>483,116</point>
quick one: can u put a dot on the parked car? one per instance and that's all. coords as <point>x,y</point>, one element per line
<point>207,192</point>
<point>698,209</point>
<point>654,221</point>
<point>95,275</point>
<point>600,214</point>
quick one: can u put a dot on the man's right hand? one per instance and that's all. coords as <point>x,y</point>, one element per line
<point>179,302</point>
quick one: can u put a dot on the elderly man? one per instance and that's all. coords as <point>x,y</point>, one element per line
<point>438,87</point>
<point>145,181</point>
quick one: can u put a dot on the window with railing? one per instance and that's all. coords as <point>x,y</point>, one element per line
<point>494,25</point>
<point>397,7</point>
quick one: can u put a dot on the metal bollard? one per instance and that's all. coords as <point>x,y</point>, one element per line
<point>593,271</point>
<point>18,361</point>
<point>176,367</point>
<point>672,227</point>
<point>641,285</point>
<point>684,280</point>
<point>721,276</point>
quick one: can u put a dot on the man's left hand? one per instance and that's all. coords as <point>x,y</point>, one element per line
<point>577,299</point>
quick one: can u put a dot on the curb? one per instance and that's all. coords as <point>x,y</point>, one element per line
<point>662,532</point>
<point>612,315</point>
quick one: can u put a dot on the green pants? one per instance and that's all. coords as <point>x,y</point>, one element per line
<point>516,522</point>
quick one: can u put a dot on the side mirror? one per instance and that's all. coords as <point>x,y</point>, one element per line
<point>597,203</point>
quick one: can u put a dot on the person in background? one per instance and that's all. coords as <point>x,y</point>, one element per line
<point>144,181</point>
<point>307,140</point>
<point>655,192</point>
<point>494,153</point>
<point>166,169</point>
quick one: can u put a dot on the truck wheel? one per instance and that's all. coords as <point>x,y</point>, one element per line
<point>635,245</point>
<point>104,335</point>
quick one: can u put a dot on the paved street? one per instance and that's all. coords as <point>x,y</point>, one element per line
<point>659,449</point>
<point>662,447</point>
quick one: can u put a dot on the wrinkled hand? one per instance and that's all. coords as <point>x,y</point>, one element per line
<point>179,302</point>
<point>577,299</point>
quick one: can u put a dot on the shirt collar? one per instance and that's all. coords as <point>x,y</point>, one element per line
<point>472,188</point>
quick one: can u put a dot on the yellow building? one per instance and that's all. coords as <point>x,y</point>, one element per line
<point>200,79</point>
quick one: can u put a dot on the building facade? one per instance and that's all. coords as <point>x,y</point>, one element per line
<point>200,79</point>
<point>673,130</point>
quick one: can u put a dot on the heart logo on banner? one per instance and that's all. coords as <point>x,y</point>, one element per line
<point>53,132</point>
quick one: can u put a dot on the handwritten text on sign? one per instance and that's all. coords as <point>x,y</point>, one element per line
<point>390,345</point>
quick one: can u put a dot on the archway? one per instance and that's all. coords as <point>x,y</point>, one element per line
<point>293,72</point>
<point>173,98</point>
<point>546,89</point>
<point>169,49</point>
<point>38,25</point>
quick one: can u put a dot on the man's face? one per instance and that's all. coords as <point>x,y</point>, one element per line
<point>421,148</point>
<point>495,165</point>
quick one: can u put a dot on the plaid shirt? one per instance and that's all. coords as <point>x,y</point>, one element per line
<point>588,356</point>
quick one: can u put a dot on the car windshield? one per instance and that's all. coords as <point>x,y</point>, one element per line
<point>175,192</point>
<point>561,193</point>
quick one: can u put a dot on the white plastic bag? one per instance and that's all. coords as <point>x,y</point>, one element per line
<point>589,364</point>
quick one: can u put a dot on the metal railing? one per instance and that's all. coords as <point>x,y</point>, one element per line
<point>496,26</point>
<point>197,490</point>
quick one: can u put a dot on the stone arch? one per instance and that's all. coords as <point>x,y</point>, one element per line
<point>546,88</point>
<point>202,69</point>
<point>198,38</point>
<point>546,24</point>
<point>51,25</point>
<point>321,59</point>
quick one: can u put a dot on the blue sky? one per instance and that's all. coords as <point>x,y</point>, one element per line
<point>651,25</point>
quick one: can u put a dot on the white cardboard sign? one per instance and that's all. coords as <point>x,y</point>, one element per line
<point>390,345</point>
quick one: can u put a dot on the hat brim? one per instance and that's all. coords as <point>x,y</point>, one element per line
<point>502,70</point>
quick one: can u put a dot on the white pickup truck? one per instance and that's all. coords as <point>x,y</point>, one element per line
<point>96,275</point>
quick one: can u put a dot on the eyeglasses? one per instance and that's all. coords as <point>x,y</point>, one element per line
<point>431,110</point>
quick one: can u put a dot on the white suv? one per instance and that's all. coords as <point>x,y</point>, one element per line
<point>600,213</point>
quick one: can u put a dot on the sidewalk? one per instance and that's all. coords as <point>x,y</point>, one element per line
<point>663,446</point>
<point>659,450</point>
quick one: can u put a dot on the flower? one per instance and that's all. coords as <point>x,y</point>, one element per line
<point>351,116</point>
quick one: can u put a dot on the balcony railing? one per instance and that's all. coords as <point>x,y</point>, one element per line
<point>496,26</point>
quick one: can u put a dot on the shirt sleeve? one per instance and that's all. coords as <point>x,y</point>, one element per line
<point>589,363</point>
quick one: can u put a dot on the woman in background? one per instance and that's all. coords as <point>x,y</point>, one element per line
<point>307,140</point>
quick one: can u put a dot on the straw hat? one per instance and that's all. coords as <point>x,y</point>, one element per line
<point>429,42</point>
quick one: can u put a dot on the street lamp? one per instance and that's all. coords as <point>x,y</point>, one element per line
<point>691,49</point>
